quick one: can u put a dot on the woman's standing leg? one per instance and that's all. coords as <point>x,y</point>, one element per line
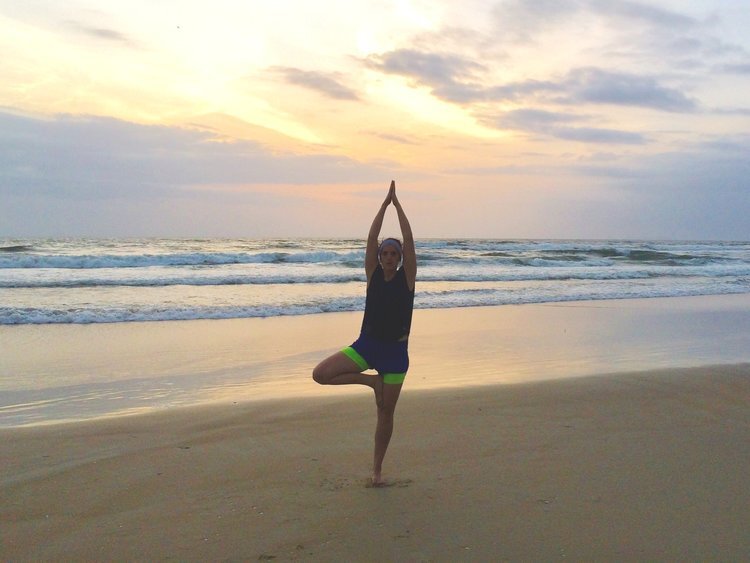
<point>384,429</point>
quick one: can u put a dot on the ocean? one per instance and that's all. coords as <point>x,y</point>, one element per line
<point>81,281</point>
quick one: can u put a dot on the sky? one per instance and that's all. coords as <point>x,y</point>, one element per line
<point>497,119</point>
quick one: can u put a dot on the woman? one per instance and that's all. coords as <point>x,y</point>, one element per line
<point>383,342</point>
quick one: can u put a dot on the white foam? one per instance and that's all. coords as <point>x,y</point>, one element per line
<point>92,281</point>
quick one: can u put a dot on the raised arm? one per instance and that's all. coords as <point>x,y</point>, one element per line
<point>371,254</point>
<point>409,249</point>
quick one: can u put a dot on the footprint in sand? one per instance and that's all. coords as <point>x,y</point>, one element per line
<point>334,484</point>
<point>394,483</point>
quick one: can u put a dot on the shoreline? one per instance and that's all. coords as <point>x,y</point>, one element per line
<point>89,371</point>
<point>582,301</point>
<point>632,466</point>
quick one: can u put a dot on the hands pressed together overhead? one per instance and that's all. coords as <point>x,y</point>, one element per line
<point>391,197</point>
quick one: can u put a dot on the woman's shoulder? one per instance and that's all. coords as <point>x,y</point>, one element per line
<point>403,276</point>
<point>377,274</point>
<point>401,273</point>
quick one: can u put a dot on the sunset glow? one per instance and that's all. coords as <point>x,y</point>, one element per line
<point>510,118</point>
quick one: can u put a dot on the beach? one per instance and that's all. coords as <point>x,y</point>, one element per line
<point>611,430</point>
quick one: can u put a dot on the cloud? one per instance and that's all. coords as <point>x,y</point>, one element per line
<point>558,125</point>
<point>102,33</point>
<point>596,135</point>
<point>532,119</point>
<point>103,157</point>
<point>732,111</point>
<point>736,68</point>
<point>694,193</point>
<point>636,11</point>
<point>444,74</point>
<point>727,146</point>
<point>326,84</point>
<point>450,77</point>
<point>593,85</point>
<point>428,68</point>
<point>455,79</point>
<point>94,176</point>
<point>394,138</point>
<point>642,37</point>
<point>714,169</point>
<point>518,91</point>
<point>521,21</point>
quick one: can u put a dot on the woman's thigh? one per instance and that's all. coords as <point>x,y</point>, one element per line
<point>334,365</point>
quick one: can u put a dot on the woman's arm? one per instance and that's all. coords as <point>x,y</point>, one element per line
<point>409,249</point>
<point>371,254</point>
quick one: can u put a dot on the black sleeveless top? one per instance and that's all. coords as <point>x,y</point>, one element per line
<point>388,307</point>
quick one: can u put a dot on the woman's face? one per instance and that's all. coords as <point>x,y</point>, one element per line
<point>389,258</point>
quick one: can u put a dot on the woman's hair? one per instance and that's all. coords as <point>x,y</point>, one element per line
<point>394,242</point>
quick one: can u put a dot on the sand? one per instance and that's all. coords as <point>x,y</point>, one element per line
<point>51,373</point>
<point>585,431</point>
<point>641,466</point>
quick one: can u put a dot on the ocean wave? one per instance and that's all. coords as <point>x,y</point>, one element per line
<point>165,277</point>
<point>83,262</point>
<point>424,300</point>
<point>82,281</point>
<point>213,280</point>
<point>39,315</point>
<point>347,254</point>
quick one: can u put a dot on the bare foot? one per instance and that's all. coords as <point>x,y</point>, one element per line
<point>382,483</point>
<point>376,481</point>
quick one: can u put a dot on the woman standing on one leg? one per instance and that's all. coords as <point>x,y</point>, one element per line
<point>383,342</point>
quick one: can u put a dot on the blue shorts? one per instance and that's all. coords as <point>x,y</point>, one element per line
<point>389,359</point>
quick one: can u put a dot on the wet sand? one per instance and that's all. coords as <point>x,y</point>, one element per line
<point>52,373</point>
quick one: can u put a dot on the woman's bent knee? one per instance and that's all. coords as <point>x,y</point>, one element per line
<point>333,366</point>
<point>325,371</point>
<point>320,374</point>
